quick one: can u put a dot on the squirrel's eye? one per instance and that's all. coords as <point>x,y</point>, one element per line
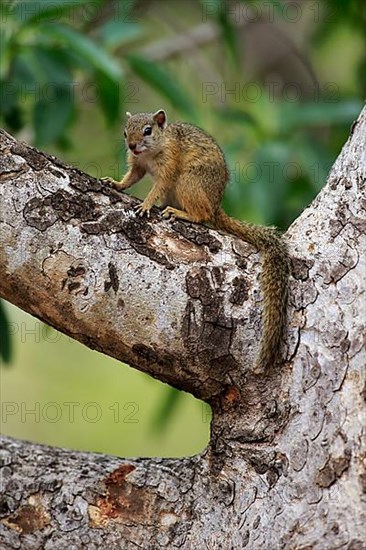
<point>147,131</point>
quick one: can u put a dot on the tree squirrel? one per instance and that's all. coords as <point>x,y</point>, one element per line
<point>190,174</point>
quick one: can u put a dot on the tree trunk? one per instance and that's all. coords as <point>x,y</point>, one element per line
<point>285,467</point>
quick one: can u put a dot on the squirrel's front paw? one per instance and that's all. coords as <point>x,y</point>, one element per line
<point>143,208</point>
<point>109,181</point>
<point>115,184</point>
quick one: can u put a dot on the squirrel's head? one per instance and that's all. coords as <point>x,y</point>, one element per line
<point>144,131</point>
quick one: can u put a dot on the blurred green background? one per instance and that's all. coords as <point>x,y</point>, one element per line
<point>277,82</point>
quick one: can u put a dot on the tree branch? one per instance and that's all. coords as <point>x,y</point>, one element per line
<point>167,298</point>
<point>175,300</point>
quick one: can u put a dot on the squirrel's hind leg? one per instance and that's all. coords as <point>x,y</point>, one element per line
<point>197,215</point>
<point>192,203</point>
<point>171,212</point>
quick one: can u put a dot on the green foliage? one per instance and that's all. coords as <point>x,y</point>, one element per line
<point>221,15</point>
<point>118,33</point>
<point>50,118</point>
<point>165,409</point>
<point>160,79</point>
<point>42,58</point>
<point>319,114</point>
<point>89,53</point>
<point>6,350</point>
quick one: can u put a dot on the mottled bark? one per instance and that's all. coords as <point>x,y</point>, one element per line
<point>285,467</point>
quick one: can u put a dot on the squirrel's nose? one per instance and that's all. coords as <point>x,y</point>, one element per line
<point>132,146</point>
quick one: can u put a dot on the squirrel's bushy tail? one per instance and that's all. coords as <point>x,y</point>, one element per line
<point>274,282</point>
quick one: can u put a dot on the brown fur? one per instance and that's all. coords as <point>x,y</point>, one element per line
<point>190,175</point>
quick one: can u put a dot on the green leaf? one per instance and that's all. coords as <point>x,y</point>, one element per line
<point>117,33</point>
<point>165,410</point>
<point>21,72</point>
<point>299,194</point>
<point>50,65</point>
<point>237,116</point>
<point>64,143</point>
<point>109,98</point>
<point>8,96</point>
<point>267,179</point>
<point>52,115</point>
<point>13,92</point>
<point>5,51</point>
<point>21,84</point>
<point>162,81</point>
<point>319,114</point>
<point>6,348</point>
<point>315,160</point>
<point>14,119</point>
<point>86,48</point>
<point>37,65</point>
<point>332,16</point>
<point>229,35</point>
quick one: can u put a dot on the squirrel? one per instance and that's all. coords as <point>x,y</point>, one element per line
<point>190,174</point>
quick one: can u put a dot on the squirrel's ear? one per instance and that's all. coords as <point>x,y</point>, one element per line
<point>160,118</point>
<point>128,114</point>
